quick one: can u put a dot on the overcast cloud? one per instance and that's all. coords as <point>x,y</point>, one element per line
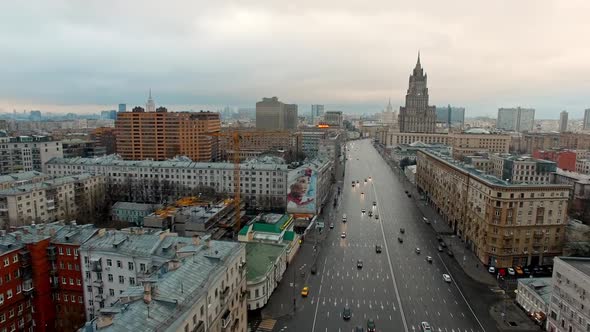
<point>351,55</point>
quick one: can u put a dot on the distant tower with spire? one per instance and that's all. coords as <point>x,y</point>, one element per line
<point>150,106</point>
<point>417,116</point>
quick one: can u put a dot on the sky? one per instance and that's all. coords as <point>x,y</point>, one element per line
<point>87,56</point>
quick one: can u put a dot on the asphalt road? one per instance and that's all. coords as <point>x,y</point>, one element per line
<point>397,288</point>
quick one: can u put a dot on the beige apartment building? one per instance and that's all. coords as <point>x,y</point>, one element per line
<point>504,224</point>
<point>253,146</point>
<point>50,200</point>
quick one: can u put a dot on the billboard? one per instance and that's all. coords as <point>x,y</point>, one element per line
<point>301,194</point>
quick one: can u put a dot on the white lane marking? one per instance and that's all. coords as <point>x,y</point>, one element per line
<point>315,315</point>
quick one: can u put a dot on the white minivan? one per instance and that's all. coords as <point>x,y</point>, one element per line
<point>344,217</point>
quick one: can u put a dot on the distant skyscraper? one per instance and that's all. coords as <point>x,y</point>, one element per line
<point>416,116</point>
<point>451,116</point>
<point>122,108</point>
<point>388,116</point>
<point>516,119</point>
<point>317,112</point>
<point>150,106</point>
<point>563,122</point>
<point>586,124</point>
<point>108,115</point>
<point>35,116</point>
<point>275,115</point>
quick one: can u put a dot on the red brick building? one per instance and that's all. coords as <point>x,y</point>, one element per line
<point>15,303</point>
<point>565,159</point>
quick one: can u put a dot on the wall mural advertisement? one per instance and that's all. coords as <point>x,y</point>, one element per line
<point>301,197</point>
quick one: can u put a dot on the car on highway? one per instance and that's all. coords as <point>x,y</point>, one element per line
<point>443,244</point>
<point>374,203</point>
<point>371,325</point>
<point>511,271</point>
<point>409,195</point>
<point>344,217</point>
<point>417,250</point>
<point>346,313</point>
<point>331,225</point>
<point>363,193</point>
<point>450,253</point>
<point>376,216</point>
<point>343,235</point>
<point>426,220</point>
<point>365,180</point>
<point>370,178</point>
<point>363,211</point>
<point>440,249</point>
<point>378,249</point>
<point>439,238</point>
<point>402,230</point>
<point>359,329</point>
<point>359,264</point>
<point>353,184</point>
<point>446,277</point>
<point>305,291</point>
<point>429,259</point>
<point>400,240</point>
<point>370,213</point>
<point>314,269</point>
<point>425,327</point>
<point>492,270</point>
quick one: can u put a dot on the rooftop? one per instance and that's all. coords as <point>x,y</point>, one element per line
<point>581,264</point>
<point>23,176</point>
<point>115,160</point>
<point>488,179</point>
<point>136,206</point>
<point>261,257</point>
<point>175,292</point>
<point>541,286</point>
<point>25,188</point>
<point>582,178</point>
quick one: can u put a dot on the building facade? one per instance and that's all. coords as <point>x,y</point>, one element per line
<point>61,198</point>
<point>534,295</point>
<point>26,153</point>
<point>516,119</point>
<point>583,166</point>
<point>565,159</point>
<point>263,183</point>
<point>569,309</point>
<point>451,116</point>
<point>417,116</point>
<point>563,121</point>
<point>522,169</point>
<point>162,135</point>
<point>285,143</point>
<point>317,114</point>
<point>267,263</point>
<point>271,114</point>
<point>504,224</point>
<point>586,124</point>
<point>73,148</point>
<point>333,119</point>
<point>106,138</point>
<point>18,179</point>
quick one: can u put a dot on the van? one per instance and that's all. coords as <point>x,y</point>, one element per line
<point>344,217</point>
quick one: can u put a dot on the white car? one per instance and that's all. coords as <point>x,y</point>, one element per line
<point>344,217</point>
<point>331,225</point>
<point>343,235</point>
<point>446,277</point>
<point>417,250</point>
<point>492,269</point>
<point>425,327</point>
<point>511,271</point>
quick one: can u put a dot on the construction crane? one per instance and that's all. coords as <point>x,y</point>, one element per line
<point>235,137</point>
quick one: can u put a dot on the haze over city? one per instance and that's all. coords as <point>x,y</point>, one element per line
<point>84,57</point>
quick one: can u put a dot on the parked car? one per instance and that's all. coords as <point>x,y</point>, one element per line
<point>331,225</point>
<point>446,277</point>
<point>400,240</point>
<point>402,230</point>
<point>492,269</point>
<point>511,271</point>
<point>439,238</point>
<point>378,249</point>
<point>519,272</point>
<point>526,271</point>
<point>443,244</point>
<point>450,253</point>
<point>429,259</point>
<point>314,269</point>
<point>417,250</point>
<point>440,249</point>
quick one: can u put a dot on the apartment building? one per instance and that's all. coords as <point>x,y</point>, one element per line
<point>534,295</point>
<point>267,263</point>
<point>18,179</point>
<point>76,147</point>
<point>519,169</point>
<point>579,206</point>
<point>583,166</point>
<point>569,309</point>
<point>26,153</point>
<point>162,135</point>
<point>333,118</point>
<point>565,159</point>
<point>529,142</point>
<point>271,114</point>
<point>263,182</point>
<point>59,198</point>
<point>252,146</point>
<point>503,223</point>
<point>200,283</point>
<point>106,138</point>
<point>516,119</point>
<point>15,304</point>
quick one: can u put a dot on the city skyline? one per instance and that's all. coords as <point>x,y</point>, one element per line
<point>189,58</point>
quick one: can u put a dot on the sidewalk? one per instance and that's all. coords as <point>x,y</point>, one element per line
<point>510,318</point>
<point>466,258</point>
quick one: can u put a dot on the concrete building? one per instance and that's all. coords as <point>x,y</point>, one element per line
<point>583,166</point>
<point>309,186</point>
<point>579,206</point>
<point>132,212</point>
<point>388,116</point>
<point>516,119</point>
<point>284,143</point>
<point>586,123</point>
<point>263,182</point>
<point>74,147</point>
<point>565,159</point>
<point>503,223</point>
<point>106,138</point>
<point>272,228</point>
<point>271,114</point>
<point>451,117</point>
<point>333,119</point>
<point>186,285</point>
<point>18,179</point>
<point>61,198</point>
<point>108,115</point>
<point>523,170</point>
<point>317,114</point>
<point>162,135</point>
<point>26,153</point>
<point>534,295</point>
<point>568,309</point>
<point>122,108</point>
<point>417,116</point>
<point>563,121</point>
<point>266,266</point>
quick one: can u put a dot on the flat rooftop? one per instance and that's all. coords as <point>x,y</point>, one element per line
<point>260,257</point>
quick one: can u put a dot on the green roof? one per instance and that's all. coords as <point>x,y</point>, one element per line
<point>260,257</point>
<point>244,230</point>
<point>289,236</point>
<point>271,228</point>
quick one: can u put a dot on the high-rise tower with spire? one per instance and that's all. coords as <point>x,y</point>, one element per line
<point>416,116</point>
<point>150,106</point>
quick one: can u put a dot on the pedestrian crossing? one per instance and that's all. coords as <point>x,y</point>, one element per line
<point>267,325</point>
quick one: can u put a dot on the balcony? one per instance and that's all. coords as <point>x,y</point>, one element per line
<point>508,236</point>
<point>96,265</point>
<point>28,287</point>
<point>99,297</point>
<point>224,294</point>
<point>226,319</point>
<point>97,283</point>
<point>51,253</point>
<point>200,327</point>
<point>24,256</point>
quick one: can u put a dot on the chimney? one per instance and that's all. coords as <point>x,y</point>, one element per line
<point>147,292</point>
<point>196,240</point>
